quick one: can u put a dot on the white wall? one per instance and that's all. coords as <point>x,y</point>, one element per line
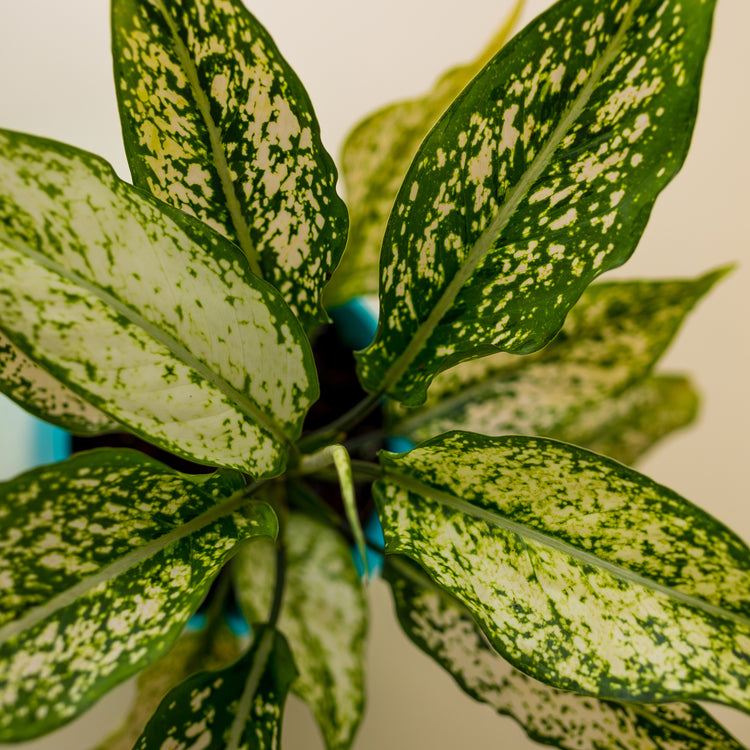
<point>55,81</point>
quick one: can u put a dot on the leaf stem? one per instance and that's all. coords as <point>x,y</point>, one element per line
<point>339,427</point>
<point>263,652</point>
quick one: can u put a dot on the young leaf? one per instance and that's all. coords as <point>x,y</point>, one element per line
<point>540,177</point>
<point>217,124</point>
<point>237,708</point>
<point>103,558</point>
<point>146,313</point>
<point>444,630</point>
<point>610,340</point>
<point>375,159</point>
<point>323,616</point>
<point>44,396</point>
<point>583,573</point>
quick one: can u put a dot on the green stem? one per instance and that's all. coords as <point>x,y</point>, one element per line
<point>265,646</point>
<point>340,426</point>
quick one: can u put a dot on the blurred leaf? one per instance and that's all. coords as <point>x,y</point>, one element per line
<point>570,389</point>
<point>627,427</point>
<point>323,616</point>
<point>374,162</point>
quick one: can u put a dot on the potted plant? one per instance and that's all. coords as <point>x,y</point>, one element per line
<point>147,308</point>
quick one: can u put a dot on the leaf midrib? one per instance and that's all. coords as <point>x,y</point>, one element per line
<point>43,611</point>
<point>515,196</point>
<point>218,152</point>
<point>410,484</point>
<point>178,350</point>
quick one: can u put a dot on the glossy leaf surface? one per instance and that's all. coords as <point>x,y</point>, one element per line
<point>581,572</point>
<point>375,159</point>
<point>145,313</point>
<point>103,559</point>
<point>44,396</point>
<point>610,340</point>
<point>323,616</point>
<point>540,177</point>
<point>217,124</point>
<point>444,630</point>
<point>239,707</point>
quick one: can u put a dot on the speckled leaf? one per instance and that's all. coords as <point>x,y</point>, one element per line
<point>583,573</point>
<point>375,158</point>
<point>627,427</point>
<point>540,177</point>
<point>217,124</point>
<point>610,341</point>
<point>146,313</point>
<point>324,617</point>
<point>444,630</point>
<point>237,708</point>
<point>44,396</point>
<point>193,652</point>
<point>103,558</point>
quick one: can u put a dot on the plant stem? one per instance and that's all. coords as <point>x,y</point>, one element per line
<point>265,646</point>
<point>343,423</point>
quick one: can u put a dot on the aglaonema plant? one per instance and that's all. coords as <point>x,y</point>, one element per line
<point>190,309</point>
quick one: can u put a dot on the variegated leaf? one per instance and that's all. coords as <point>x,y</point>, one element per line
<point>146,313</point>
<point>192,653</point>
<point>610,340</point>
<point>44,396</point>
<point>540,177</point>
<point>583,573</point>
<point>444,630</point>
<point>103,559</point>
<point>375,158</point>
<point>217,124</point>
<point>627,427</point>
<point>237,708</point>
<point>323,616</point>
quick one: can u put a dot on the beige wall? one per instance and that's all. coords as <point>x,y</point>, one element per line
<point>55,81</point>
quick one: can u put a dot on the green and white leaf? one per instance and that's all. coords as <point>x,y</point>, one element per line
<point>508,213</point>
<point>44,396</point>
<point>610,341</point>
<point>375,159</point>
<point>323,616</point>
<point>444,630</point>
<point>145,313</point>
<point>193,652</point>
<point>103,558</point>
<point>237,708</point>
<point>217,124</point>
<point>628,426</point>
<point>582,573</point>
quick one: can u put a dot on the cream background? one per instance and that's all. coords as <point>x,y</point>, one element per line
<point>55,80</point>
